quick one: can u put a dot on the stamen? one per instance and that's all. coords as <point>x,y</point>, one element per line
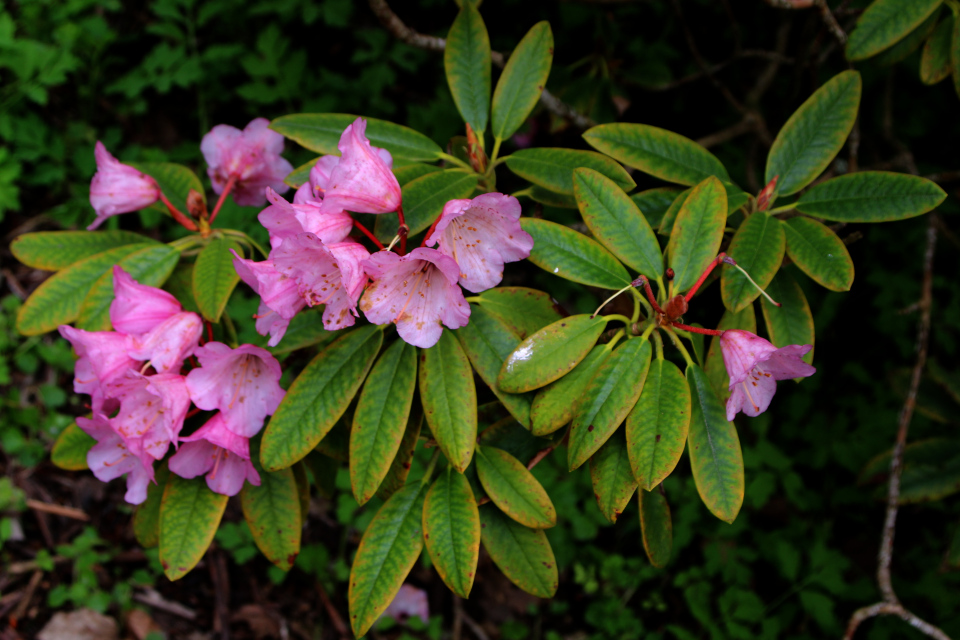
<point>610,299</point>
<point>395,240</point>
<point>746,390</point>
<point>730,261</point>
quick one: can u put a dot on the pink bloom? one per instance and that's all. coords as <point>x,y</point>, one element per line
<point>279,294</point>
<point>152,411</point>
<point>118,188</point>
<point>282,220</point>
<point>418,292</point>
<point>362,181</point>
<point>327,274</point>
<point>409,602</point>
<point>243,383</point>
<point>138,308</point>
<point>481,235</point>
<point>754,365</point>
<point>112,457</point>
<point>218,452</point>
<point>168,344</point>
<point>251,157</point>
<point>316,186</point>
<point>102,358</point>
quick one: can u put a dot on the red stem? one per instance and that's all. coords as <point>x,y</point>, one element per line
<point>430,230</point>
<point>703,276</point>
<point>367,233</point>
<point>193,412</point>
<point>177,215</point>
<point>646,287</point>
<point>209,331</point>
<point>706,332</point>
<point>223,196</point>
<point>402,231</point>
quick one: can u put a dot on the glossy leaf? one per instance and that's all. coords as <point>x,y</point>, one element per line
<point>146,519</point>
<point>736,198</point>
<point>449,399</point>
<point>70,449</point>
<point>611,477</point>
<point>792,322</point>
<point>935,60</point>
<point>55,250</point>
<point>609,397</point>
<point>715,369</point>
<point>300,175</point>
<point>656,527</point>
<point>524,310</point>
<point>321,132</point>
<point>466,60</point>
<point>696,235</point>
<point>451,531</point>
<point>658,152</point>
<point>423,200</point>
<point>557,403</point>
<point>272,512</point>
<point>573,256</point>
<point>57,301</point>
<point>189,516</point>
<point>658,425</point>
<point>214,277</point>
<point>550,353</point>
<point>306,330</point>
<point>549,198</point>
<point>488,341</point>
<point>400,467</point>
<point>514,489</point>
<point>176,181</point>
<point>552,168</point>
<point>714,449</point>
<point>653,203</point>
<point>884,23</point>
<point>871,196</point>
<point>150,266</point>
<point>758,247</point>
<point>318,397</point>
<point>302,479</point>
<point>381,417</point>
<point>388,550</point>
<point>522,554</point>
<point>410,172</point>
<point>908,45</point>
<point>615,221</point>
<point>819,253</point>
<point>814,134</point>
<point>522,81</point>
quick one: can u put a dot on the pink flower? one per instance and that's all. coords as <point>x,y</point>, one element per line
<point>251,157</point>
<point>243,383</point>
<point>362,181</point>
<point>409,602</point>
<point>481,235</point>
<point>118,188</point>
<point>218,452</point>
<point>418,292</point>
<point>152,411</point>
<point>282,220</point>
<point>168,344</point>
<point>112,457</point>
<point>754,365</point>
<point>138,308</point>
<point>280,296</point>
<point>102,358</point>
<point>316,186</point>
<point>327,274</point>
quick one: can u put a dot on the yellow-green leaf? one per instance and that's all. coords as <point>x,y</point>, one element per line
<point>758,247</point>
<point>272,511</point>
<point>658,425</point>
<point>55,250</point>
<point>466,59</point>
<point>697,233</point>
<point>514,489</point>
<point>70,450</point>
<point>573,256</point>
<point>449,399</point>
<point>884,23</point>
<point>146,519</point>
<point>656,527</point>
<point>792,321</point>
<point>523,554</point>
<point>935,60</point>
<point>552,168</point>
<point>320,132</point>
<point>524,310</point>
<point>611,477</point>
<point>214,277</point>
<point>557,403</point>
<point>189,517</point>
<point>819,253</point>
<point>522,81</point>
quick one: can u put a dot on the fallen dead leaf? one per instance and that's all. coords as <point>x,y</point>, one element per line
<point>83,624</point>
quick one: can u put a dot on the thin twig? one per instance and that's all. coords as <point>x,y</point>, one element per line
<point>57,510</point>
<point>831,21</point>
<point>24,603</point>
<point>152,598</point>
<point>332,612</point>
<point>746,125</point>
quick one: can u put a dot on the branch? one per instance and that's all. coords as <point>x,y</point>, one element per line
<point>392,23</point>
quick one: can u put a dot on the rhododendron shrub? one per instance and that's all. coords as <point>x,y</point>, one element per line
<point>423,366</point>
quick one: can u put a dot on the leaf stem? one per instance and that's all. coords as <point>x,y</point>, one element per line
<point>616,316</point>
<point>178,215</point>
<point>782,209</point>
<point>454,160</point>
<point>428,474</point>
<point>679,345</point>
<point>659,342</point>
<point>367,233</point>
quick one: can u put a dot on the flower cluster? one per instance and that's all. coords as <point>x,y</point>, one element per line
<point>140,397</point>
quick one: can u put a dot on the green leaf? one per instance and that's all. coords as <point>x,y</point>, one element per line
<point>487,341</point>
<point>388,550</point>
<point>449,399</point>
<point>549,198</point>
<point>658,425</point>
<point>150,266</point>
<point>550,353</point>
<point>70,449</point>
<point>714,450</point>
<point>306,330</point>
<point>423,200</point>
<point>410,172</point>
<point>935,60</point>
<point>302,479</point>
<point>381,417</point>
<point>522,81</point>
<point>514,438</point>
<point>400,467</point>
<point>524,310</point>
<point>451,531</point>
<point>189,516</point>
<point>321,132</point>
<point>926,483</point>
<point>514,489</point>
<point>819,253</point>
<point>653,203</point>
<point>557,403</point>
<point>553,168</point>
<point>758,247</point>
<point>609,397</point>
<point>272,511</point>
<point>814,134</point>
<point>792,322</point>
<point>884,23</point>
<point>318,397</point>
<point>522,554</point>
<point>715,369</point>
<point>656,527</point>
<point>55,250</point>
<point>214,276</point>
<point>736,198</point>
<point>324,470</point>
<point>175,181</point>
<point>658,152</point>
<point>611,477</point>
<point>697,233</point>
<point>615,221</point>
<point>466,60</point>
<point>573,256</point>
<point>146,519</point>
<point>300,175</point>
<point>57,301</point>
<point>908,45</point>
